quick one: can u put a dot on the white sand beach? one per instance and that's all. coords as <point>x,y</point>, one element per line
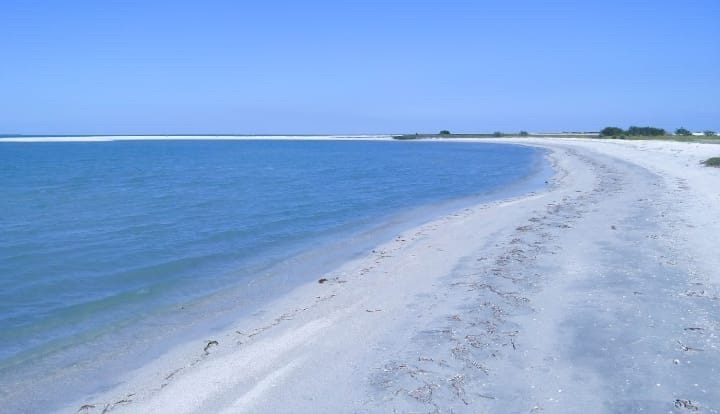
<point>600,294</point>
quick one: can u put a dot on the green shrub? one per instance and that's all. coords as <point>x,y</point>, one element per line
<point>611,132</point>
<point>712,162</point>
<point>444,132</point>
<point>498,134</point>
<point>645,131</point>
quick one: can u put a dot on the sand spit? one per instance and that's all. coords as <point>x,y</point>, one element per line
<point>601,294</point>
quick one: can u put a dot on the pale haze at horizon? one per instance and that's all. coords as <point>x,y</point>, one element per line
<point>317,67</point>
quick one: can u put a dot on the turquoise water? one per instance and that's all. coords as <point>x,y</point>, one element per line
<point>99,241</point>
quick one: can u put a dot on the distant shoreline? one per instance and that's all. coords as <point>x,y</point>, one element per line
<point>342,137</point>
<point>109,138</point>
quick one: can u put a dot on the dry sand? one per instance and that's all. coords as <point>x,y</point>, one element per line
<point>601,294</point>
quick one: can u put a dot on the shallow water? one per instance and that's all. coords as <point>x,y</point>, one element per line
<point>99,240</point>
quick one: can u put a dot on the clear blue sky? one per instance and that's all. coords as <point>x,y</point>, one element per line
<point>357,66</point>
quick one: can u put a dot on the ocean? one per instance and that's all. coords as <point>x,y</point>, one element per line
<point>112,251</point>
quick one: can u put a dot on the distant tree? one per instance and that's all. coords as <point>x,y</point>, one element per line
<point>498,134</point>
<point>444,132</point>
<point>611,132</point>
<point>524,133</point>
<point>710,133</point>
<point>646,131</point>
<point>682,131</point>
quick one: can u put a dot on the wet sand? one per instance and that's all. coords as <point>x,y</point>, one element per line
<point>601,294</point>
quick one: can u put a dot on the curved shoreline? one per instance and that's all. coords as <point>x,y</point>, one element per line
<point>515,305</point>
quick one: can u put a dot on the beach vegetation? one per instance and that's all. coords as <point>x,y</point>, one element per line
<point>611,132</point>
<point>712,162</point>
<point>633,131</point>
<point>682,131</point>
<point>646,131</point>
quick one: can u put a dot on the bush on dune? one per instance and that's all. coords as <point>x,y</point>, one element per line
<point>683,132</point>
<point>712,162</point>
<point>612,132</point>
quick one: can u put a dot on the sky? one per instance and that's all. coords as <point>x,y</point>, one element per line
<point>352,67</point>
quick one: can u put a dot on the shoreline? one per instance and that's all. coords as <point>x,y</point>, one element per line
<point>113,138</point>
<point>435,317</point>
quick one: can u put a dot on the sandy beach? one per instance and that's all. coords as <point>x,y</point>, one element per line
<point>598,295</point>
